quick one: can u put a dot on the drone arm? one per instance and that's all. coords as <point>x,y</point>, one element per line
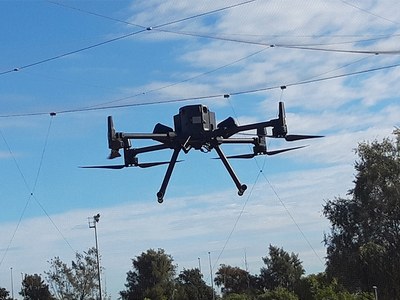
<point>236,141</point>
<point>270,123</point>
<point>144,136</point>
<point>228,127</point>
<point>150,148</point>
<point>130,154</point>
<point>161,192</point>
<point>241,187</point>
<point>231,130</point>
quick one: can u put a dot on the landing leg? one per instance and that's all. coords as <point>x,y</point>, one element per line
<point>161,192</point>
<point>241,187</point>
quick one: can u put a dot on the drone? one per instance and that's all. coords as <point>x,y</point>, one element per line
<point>195,127</point>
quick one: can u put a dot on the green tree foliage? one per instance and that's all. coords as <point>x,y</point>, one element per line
<point>192,286</point>
<point>78,281</point>
<point>278,293</point>
<point>152,277</point>
<point>364,241</point>
<point>4,294</point>
<point>319,287</point>
<point>232,279</point>
<point>33,288</point>
<point>235,296</point>
<point>282,270</point>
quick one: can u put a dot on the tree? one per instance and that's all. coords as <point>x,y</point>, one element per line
<point>319,287</point>
<point>34,288</point>
<point>233,279</point>
<point>192,286</point>
<point>152,277</point>
<point>234,296</point>
<point>278,293</point>
<point>282,269</point>
<point>363,243</point>
<point>78,281</point>
<point>4,294</point>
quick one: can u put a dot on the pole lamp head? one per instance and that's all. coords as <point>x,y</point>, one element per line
<point>96,218</point>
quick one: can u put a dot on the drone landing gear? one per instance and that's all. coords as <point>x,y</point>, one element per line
<point>161,192</point>
<point>241,187</point>
<point>160,197</point>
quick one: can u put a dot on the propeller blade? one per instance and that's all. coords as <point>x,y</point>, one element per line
<point>245,156</point>
<point>297,137</point>
<point>140,165</point>
<point>273,152</point>
<point>152,164</point>
<point>114,167</point>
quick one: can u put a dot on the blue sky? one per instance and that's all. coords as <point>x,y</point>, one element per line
<point>72,55</point>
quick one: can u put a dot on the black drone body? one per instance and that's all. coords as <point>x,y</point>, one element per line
<point>195,127</point>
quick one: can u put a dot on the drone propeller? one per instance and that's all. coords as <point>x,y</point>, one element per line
<point>152,164</point>
<point>297,137</point>
<point>273,152</point>
<point>140,165</point>
<point>115,167</point>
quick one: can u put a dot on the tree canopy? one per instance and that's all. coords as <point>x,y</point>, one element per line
<point>364,241</point>
<point>34,287</point>
<point>190,285</point>
<point>4,294</point>
<point>234,280</point>
<point>281,269</point>
<point>78,281</point>
<point>152,277</point>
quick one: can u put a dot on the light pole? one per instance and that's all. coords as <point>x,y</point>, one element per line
<point>23,289</point>
<point>93,224</point>
<point>211,274</point>
<point>375,291</point>
<point>12,284</point>
<point>199,264</point>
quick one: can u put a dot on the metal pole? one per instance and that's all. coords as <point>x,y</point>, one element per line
<point>98,260</point>
<point>199,264</point>
<point>96,219</point>
<point>12,284</point>
<point>211,274</point>
<point>375,291</point>
<point>23,289</point>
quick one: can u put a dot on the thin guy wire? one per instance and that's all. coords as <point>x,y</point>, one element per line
<point>368,12</point>
<point>208,96</point>
<point>120,38</point>
<point>182,81</point>
<point>237,220</point>
<point>26,203</point>
<point>31,192</point>
<point>215,37</point>
<point>36,181</point>
<point>293,219</point>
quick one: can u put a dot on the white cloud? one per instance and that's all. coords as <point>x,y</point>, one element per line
<point>347,110</point>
